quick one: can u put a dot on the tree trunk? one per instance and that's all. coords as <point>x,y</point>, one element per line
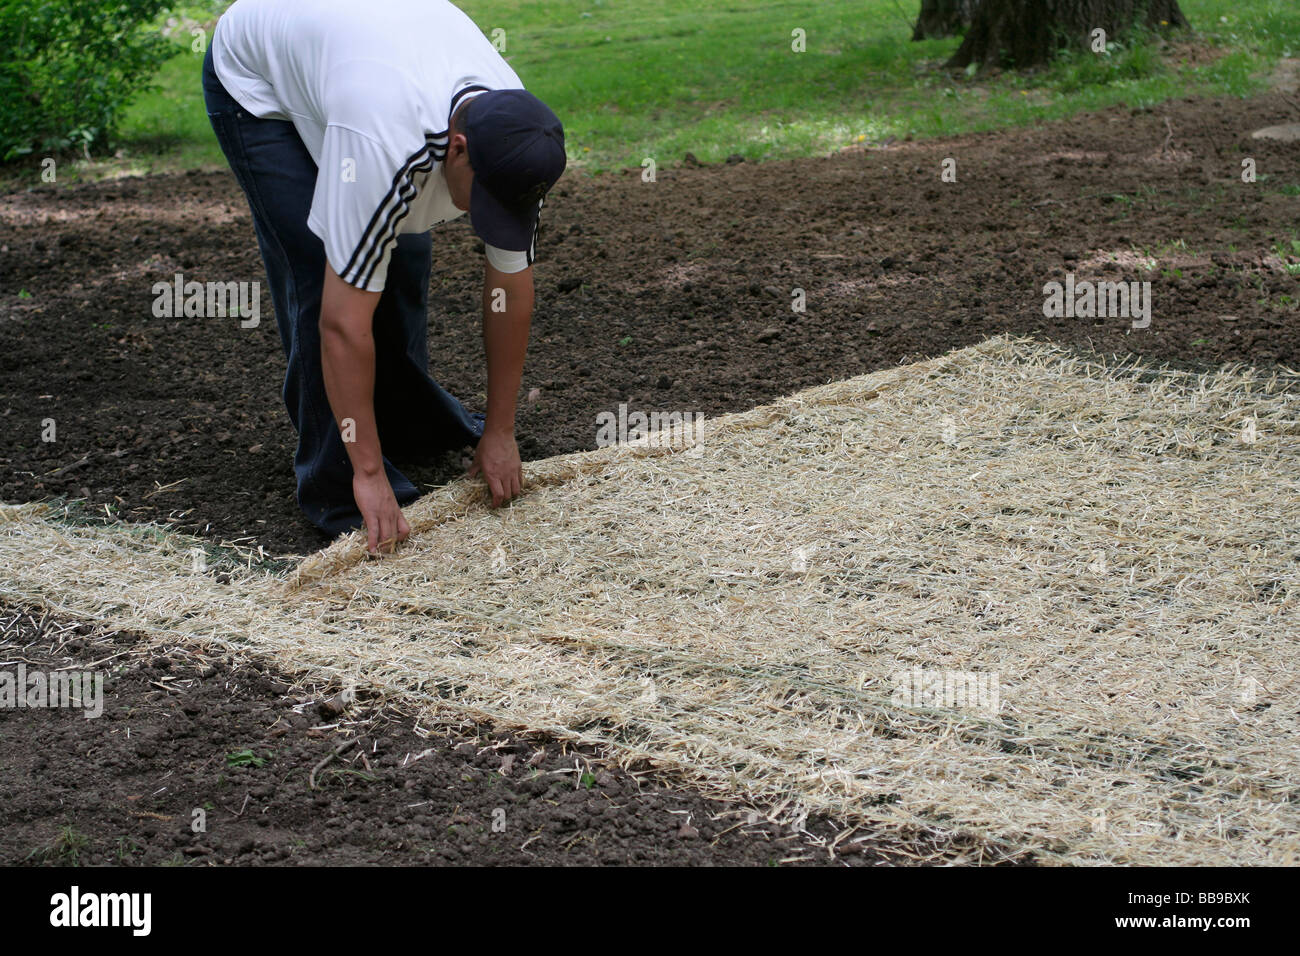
<point>943,18</point>
<point>1024,33</point>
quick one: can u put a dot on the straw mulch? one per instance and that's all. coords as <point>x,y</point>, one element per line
<point>1119,547</point>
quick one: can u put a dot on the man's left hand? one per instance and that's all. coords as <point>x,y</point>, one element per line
<point>497,459</point>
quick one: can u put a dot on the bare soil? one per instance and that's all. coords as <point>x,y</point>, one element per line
<point>183,732</point>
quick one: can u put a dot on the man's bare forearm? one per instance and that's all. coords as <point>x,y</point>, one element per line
<point>348,362</point>
<point>507,316</point>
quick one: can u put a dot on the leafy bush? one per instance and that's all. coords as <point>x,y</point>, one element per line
<point>68,67</point>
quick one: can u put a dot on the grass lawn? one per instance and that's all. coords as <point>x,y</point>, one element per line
<point>632,80</point>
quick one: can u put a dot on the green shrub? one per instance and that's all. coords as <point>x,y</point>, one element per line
<point>68,67</point>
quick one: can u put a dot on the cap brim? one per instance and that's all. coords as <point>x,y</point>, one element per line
<point>498,225</point>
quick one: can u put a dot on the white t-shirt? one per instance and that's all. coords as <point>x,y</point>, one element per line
<point>369,85</point>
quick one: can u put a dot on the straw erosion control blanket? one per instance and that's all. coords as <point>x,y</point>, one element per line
<point>1011,593</point>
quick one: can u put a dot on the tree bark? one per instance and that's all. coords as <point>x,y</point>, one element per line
<point>943,18</point>
<point>1024,33</point>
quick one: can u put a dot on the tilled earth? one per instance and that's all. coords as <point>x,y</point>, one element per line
<point>674,295</point>
<point>198,759</point>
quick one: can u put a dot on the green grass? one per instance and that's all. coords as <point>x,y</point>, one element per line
<point>633,80</point>
<point>1286,252</point>
<point>64,850</point>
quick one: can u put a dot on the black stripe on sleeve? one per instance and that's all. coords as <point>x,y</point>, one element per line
<point>398,198</point>
<point>537,232</point>
<point>457,97</point>
<point>381,230</point>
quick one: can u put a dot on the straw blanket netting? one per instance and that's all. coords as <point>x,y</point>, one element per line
<point>1026,598</point>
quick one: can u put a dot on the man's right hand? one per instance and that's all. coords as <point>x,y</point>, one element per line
<point>385,523</point>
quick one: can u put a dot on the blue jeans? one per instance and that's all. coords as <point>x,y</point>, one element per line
<point>415,415</point>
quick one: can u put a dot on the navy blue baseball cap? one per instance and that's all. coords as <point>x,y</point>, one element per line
<point>516,149</point>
